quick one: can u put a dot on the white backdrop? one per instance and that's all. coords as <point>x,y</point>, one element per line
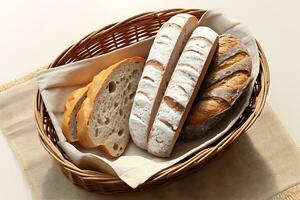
<point>34,32</point>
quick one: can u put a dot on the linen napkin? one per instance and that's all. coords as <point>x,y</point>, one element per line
<point>263,163</point>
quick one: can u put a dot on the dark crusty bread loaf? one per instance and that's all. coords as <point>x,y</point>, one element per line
<point>227,79</point>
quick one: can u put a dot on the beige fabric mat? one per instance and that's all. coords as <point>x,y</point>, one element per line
<point>262,164</point>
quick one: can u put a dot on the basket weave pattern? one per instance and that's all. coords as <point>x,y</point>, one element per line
<point>119,35</point>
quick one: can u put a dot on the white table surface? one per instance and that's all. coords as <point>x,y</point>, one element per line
<point>34,32</point>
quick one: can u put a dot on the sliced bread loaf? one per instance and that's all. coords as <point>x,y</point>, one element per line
<point>181,91</point>
<point>160,64</point>
<point>72,106</point>
<point>103,117</point>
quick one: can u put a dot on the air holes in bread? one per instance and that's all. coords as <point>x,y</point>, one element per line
<point>129,86</point>
<point>111,87</point>
<point>106,110</point>
<point>116,146</point>
<point>131,95</point>
<point>120,133</point>
<point>97,132</point>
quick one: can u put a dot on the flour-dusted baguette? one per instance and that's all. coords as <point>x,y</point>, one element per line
<point>160,64</point>
<point>72,106</point>
<point>181,91</point>
<point>228,78</point>
<point>103,117</point>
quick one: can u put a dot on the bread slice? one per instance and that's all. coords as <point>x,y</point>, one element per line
<point>182,90</point>
<point>103,117</point>
<point>160,64</point>
<point>72,106</point>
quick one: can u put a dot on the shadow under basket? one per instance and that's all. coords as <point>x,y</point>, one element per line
<point>119,35</point>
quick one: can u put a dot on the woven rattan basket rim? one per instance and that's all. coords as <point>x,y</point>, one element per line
<point>180,168</point>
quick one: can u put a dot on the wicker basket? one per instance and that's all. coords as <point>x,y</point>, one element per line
<point>119,35</point>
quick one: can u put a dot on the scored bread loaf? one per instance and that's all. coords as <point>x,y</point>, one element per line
<point>182,90</point>
<point>227,79</point>
<point>160,64</point>
<point>103,117</point>
<point>72,106</point>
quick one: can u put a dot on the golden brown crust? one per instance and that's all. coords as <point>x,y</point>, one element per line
<point>205,108</point>
<point>228,47</point>
<point>228,77</point>
<point>69,107</point>
<point>96,87</point>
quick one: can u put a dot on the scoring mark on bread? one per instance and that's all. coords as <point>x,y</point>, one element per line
<point>156,64</point>
<point>240,59</point>
<point>236,68</point>
<point>223,56</point>
<point>182,88</point>
<point>173,104</point>
<point>167,124</point>
<point>148,78</point>
<point>194,50</point>
<point>138,117</point>
<point>220,100</point>
<point>166,36</point>
<point>173,25</point>
<point>188,65</point>
<point>201,38</point>
<point>143,93</point>
<point>194,79</point>
<point>161,42</point>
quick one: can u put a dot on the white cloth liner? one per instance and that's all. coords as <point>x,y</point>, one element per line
<point>136,165</point>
